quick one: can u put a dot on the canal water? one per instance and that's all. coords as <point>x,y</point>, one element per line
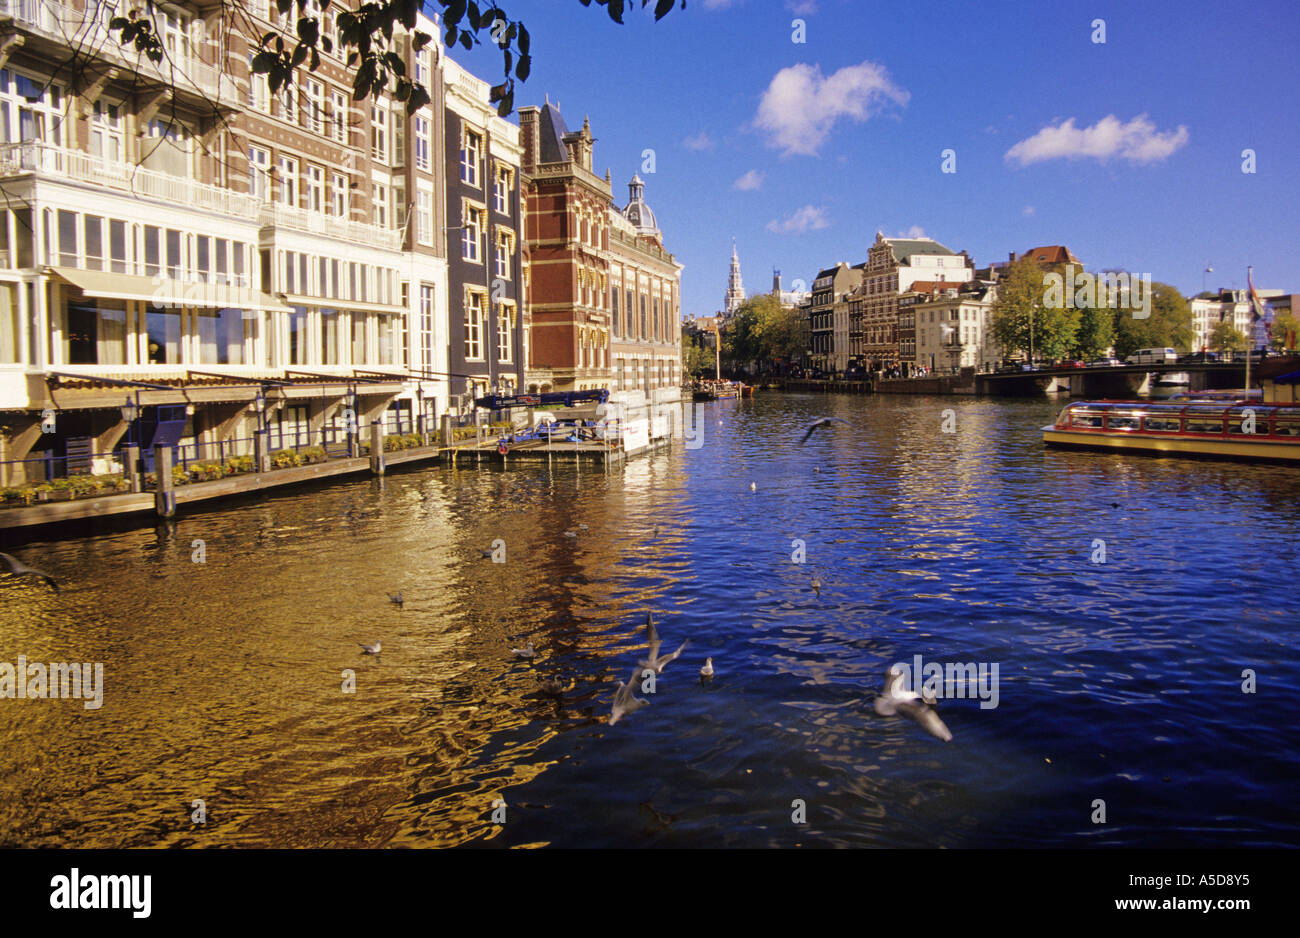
<point>1120,684</point>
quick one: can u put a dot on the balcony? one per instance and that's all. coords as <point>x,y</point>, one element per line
<point>47,160</point>
<point>68,28</point>
<point>297,219</point>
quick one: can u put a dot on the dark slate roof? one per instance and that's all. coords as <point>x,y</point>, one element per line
<point>552,134</point>
<point>905,248</point>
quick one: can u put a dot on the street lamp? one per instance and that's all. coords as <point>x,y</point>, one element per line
<point>130,410</point>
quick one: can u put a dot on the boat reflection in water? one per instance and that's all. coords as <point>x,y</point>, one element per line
<point>1223,429</point>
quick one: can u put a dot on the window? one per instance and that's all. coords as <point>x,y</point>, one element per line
<point>315,188</point>
<point>474,326</point>
<point>505,247</point>
<point>289,104</point>
<point>358,337</point>
<point>424,218</point>
<point>501,190</point>
<point>339,195</point>
<point>379,205</point>
<point>422,61</point>
<point>340,116</point>
<point>426,326</point>
<point>613,308</point>
<point>314,109</point>
<point>469,158</point>
<point>379,133</point>
<point>106,132</point>
<point>288,181</point>
<point>259,92</point>
<point>505,332</point>
<point>471,234</point>
<point>422,144</point>
<point>259,173</point>
<point>166,147</point>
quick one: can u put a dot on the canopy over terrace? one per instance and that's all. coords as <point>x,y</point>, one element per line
<point>165,291</point>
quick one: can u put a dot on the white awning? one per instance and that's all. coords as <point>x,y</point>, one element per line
<point>163,291</point>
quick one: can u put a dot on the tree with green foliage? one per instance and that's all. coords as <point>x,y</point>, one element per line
<point>1168,325</point>
<point>1285,332</point>
<point>1023,323</point>
<point>366,34</point>
<point>1225,337</point>
<point>1096,332</point>
<point>697,359</point>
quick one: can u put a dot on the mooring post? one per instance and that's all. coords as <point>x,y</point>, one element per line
<point>164,498</point>
<point>133,468</point>
<point>377,447</point>
<point>447,436</point>
<point>261,451</point>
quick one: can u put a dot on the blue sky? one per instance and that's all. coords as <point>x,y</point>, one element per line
<point>842,135</point>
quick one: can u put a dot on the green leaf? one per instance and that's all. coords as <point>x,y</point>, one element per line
<point>474,19</point>
<point>420,41</point>
<point>509,61</point>
<point>466,41</point>
<point>662,9</point>
<point>524,68</point>
<point>616,11</point>
<point>119,22</point>
<point>523,39</point>
<point>299,54</point>
<point>419,98</point>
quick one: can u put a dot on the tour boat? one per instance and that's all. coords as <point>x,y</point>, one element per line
<point>1223,429</point>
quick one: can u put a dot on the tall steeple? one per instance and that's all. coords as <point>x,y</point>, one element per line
<point>735,295</point>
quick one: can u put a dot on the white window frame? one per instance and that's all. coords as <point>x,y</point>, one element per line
<point>314,111</point>
<point>424,217</point>
<point>423,144</point>
<point>470,157</point>
<point>472,235</point>
<point>259,173</point>
<point>338,203</point>
<point>314,188</point>
<point>474,325</point>
<point>379,132</point>
<point>288,190</point>
<point>341,110</point>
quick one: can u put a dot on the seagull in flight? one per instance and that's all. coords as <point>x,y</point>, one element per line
<point>525,652</point>
<point>373,648</point>
<point>818,423</point>
<point>18,568</point>
<point>706,672</point>
<point>895,700</point>
<point>625,699</point>
<point>655,662</point>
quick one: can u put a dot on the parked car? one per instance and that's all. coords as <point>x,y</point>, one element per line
<point>1153,356</point>
<point>1073,364</point>
<point>1104,363</point>
<point>1198,358</point>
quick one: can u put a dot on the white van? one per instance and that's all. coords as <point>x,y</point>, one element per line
<point>1153,356</point>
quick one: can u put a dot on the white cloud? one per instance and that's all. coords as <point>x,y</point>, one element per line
<point>808,218</point>
<point>718,4</point>
<point>749,182</point>
<point>801,7</point>
<point>800,106</point>
<point>1029,211</point>
<point>916,231</point>
<point>1138,141</point>
<point>701,141</point>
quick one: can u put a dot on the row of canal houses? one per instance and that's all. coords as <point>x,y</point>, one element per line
<point>187,258</point>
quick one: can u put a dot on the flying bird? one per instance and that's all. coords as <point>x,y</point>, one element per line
<point>706,672</point>
<point>655,662</point>
<point>371,649</point>
<point>18,568</point>
<point>753,486</point>
<point>895,700</point>
<point>525,652</point>
<point>818,423</point>
<point>625,699</point>
<point>396,599</point>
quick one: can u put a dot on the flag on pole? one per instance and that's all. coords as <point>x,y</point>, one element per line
<point>1259,311</point>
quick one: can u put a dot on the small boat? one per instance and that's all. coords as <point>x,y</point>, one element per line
<point>716,390</point>
<point>1242,430</point>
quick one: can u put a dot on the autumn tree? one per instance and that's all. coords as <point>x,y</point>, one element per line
<point>1225,337</point>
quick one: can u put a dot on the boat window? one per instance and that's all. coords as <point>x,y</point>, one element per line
<point>1123,421</point>
<point>1162,423</point>
<point>1286,426</point>
<point>1087,418</point>
<point>1203,424</point>
<point>1239,421</point>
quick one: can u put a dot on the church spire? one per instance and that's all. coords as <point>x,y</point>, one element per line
<point>735,295</point>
